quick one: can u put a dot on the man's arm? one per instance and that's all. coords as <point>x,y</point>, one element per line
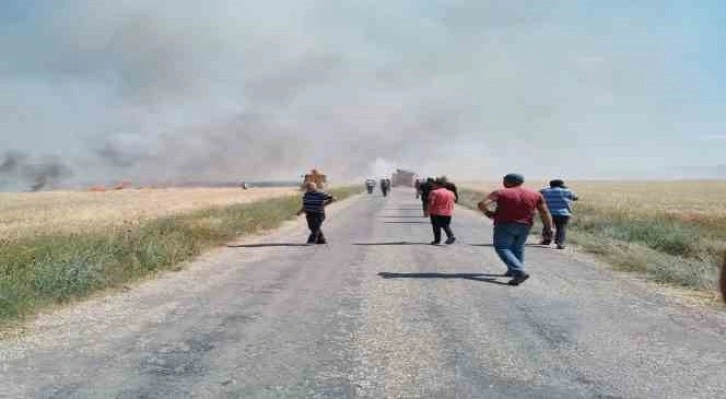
<point>484,204</point>
<point>430,201</point>
<point>330,199</point>
<point>302,206</point>
<point>544,215</point>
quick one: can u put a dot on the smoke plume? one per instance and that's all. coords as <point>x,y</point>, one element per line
<point>33,174</point>
<point>160,90</point>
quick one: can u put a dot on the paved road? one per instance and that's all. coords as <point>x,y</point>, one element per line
<point>376,313</point>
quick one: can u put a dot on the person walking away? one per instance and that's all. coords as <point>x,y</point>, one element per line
<point>513,219</point>
<point>417,187</point>
<point>559,202</point>
<point>370,185</point>
<point>440,210</point>
<point>384,187</point>
<point>426,188</point>
<point>451,187</point>
<point>314,202</point>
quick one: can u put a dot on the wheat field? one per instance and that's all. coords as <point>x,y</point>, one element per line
<point>673,230</point>
<point>63,245</point>
<point>24,215</point>
<point>700,201</point>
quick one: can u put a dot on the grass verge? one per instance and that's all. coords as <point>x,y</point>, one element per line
<point>44,270</point>
<point>667,249</point>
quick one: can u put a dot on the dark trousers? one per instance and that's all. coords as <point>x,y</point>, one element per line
<point>438,223</point>
<point>560,230</point>
<point>315,222</point>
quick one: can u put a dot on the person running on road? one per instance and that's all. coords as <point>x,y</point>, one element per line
<point>559,201</point>
<point>440,209</point>
<point>385,186</point>
<point>314,202</point>
<point>513,219</point>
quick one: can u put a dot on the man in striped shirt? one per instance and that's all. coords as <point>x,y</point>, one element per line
<point>314,203</point>
<point>559,201</point>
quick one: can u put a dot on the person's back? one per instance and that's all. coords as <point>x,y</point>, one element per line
<point>516,205</point>
<point>426,188</point>
<point>452,187</point>
<point>441,202</point>
<point>315,201</point>
<point>513,219</point>
<point>559,200</point>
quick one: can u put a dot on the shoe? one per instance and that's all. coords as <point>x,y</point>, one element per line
<point>435,243</point>
<point>559,246</point>
<point>545,242</point>
<point>508,273</point>
<point>518,279</point>
<point>322,242</point>
<point>450,240</point>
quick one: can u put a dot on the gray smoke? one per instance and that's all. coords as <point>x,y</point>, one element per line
<point>11,162</point>
<point>21,170</point>
<point>160,90</point>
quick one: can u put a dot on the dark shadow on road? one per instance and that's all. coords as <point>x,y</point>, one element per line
<point>392,243</point>
<point>270,244</point>
<point>482,277</point>
<point>492,245</point>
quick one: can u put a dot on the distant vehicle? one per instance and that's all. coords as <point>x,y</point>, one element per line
<point>316,177</point>
<point>402,177</point>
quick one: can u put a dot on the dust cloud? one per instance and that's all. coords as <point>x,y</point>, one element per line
<point>152,90</point>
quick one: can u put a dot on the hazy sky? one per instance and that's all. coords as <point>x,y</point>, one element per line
<point>227,89</point>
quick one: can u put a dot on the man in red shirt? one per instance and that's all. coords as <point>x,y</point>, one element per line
<point>440,208</point>
<point>513,219</point>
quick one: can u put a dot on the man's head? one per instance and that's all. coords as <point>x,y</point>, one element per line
<point>440,182</point>
<point>513,180</point>
<point>430,180</point>
<point>443,179</point>
<point>311,186</point>
<point>557,183</point>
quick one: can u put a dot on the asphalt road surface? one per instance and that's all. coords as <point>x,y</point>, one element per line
<point>376,313</point>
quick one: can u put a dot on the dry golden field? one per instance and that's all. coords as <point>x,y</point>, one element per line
<point>24,215</point>
<point>702,201</point>
<point>55,246</point>
<point>673,230</point>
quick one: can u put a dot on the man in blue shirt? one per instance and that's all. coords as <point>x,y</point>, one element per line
<point>314,203</point>
<point>559,201</point>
